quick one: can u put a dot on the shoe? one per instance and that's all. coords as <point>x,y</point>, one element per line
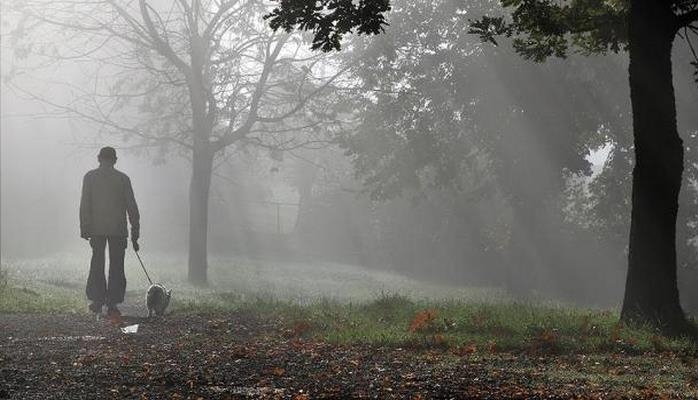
<point>96,307</point>
<point>113,312</point>
<point>114,316</point>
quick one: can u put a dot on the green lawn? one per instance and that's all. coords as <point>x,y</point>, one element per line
<point>235,280</point>
<point>348,304</point>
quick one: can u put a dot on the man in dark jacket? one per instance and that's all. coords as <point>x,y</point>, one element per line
<point>107,198</point>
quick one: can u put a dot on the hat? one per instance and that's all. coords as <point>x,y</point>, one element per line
<point>107,153</point>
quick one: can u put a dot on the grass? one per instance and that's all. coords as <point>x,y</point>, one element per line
<point>561,345</point>
<point>464,327</point>
<point>15,299</point>
<point>348,304</point>
<point>3,279</point>
<point>235,280</point>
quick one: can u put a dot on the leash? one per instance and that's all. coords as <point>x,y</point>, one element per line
<point>143,266</point>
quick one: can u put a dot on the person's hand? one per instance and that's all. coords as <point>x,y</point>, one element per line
<point>136,247</point>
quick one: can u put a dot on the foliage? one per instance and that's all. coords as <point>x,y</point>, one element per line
<point>544,28</point>
<point>477,138</point>
<point>541,28</point>
<point>330,20</point>
<point>444,111</point>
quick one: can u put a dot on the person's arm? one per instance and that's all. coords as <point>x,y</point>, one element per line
<point>86,209</point>
<point>134,217</point>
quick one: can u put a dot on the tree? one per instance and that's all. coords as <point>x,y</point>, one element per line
<point>608,198</point>
<point>432,93</point>
<point>205,77</point>
<point>542,29</point>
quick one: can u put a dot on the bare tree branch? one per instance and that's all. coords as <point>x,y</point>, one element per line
<point>100,119</point>
<point>160,44</point>
<point>239,73</point>
<point>303,101</point>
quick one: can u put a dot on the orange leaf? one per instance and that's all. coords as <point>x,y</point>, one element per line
<point>422,320</point>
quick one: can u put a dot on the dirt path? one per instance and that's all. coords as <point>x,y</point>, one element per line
<point>236,356</point>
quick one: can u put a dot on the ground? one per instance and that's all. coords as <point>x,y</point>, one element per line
<point>238,355</point>
<point>223,343</point>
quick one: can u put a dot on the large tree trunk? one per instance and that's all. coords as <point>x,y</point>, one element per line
<point>202,167</point>
<point>651,293</point>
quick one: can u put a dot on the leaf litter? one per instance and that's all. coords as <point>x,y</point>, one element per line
<point>242,355</point>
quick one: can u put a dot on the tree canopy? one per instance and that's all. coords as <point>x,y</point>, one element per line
<point>539,28</point>
<point>330,20</point>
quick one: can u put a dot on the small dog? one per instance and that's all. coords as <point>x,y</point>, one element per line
<point>157,299</point>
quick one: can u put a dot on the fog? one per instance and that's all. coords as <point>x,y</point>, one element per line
<point>471,168</point>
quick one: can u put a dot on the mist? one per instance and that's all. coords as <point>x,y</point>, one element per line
<point>348,199</point>
<point>474,168</point>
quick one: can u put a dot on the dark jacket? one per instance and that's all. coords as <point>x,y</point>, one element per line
<point>107,197</point>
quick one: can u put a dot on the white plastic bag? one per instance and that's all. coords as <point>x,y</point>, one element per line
<point>130,329</point>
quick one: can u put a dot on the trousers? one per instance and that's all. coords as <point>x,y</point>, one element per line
<point>101,290</point>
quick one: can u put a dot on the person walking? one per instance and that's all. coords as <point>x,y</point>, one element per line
<point>107,199</point>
